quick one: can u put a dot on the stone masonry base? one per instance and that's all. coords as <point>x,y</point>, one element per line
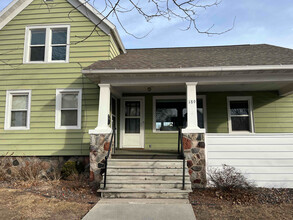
<point>194,150</point>
<point>100,144</point>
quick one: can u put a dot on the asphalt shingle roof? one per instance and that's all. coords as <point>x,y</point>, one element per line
<point>186,57</point>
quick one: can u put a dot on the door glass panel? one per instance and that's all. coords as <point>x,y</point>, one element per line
<point>132,108</point>
<point>132,125</point>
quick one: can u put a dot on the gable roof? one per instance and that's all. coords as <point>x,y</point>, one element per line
<point>16,6</point>
<point>196,57</point>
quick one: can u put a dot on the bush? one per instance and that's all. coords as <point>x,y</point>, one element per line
<point>27,169</point>
<point>228,178</point>
<point>69,169</point>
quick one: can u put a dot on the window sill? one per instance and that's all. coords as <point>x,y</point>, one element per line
<point>16,129</point>
<point>67,128</point>
<point>46,62</point>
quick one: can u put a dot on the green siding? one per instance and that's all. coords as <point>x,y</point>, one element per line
<point>272,114</point>
<point>44,79</point>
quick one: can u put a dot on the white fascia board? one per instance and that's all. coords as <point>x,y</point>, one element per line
<point>13,9</point>
<point>96,17</point>
<point>192,69</point>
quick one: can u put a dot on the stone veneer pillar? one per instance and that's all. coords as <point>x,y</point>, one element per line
<point>99,146</point>
<point>194,150</point>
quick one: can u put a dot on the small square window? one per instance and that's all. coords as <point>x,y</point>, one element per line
<point>240,114</point>
<point>47,44</point>
<point>17,115</point>
<point>68,109</point>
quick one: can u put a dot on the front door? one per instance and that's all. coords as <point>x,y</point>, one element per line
<point>132,128</point>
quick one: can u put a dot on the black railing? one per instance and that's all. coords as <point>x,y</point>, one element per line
<point>108,155</point>
<point>181,153</point>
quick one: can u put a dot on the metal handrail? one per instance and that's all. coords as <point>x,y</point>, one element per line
<point>108,155</point>
<point>181,151</point>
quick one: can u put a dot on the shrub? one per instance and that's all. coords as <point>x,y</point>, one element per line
<point>69,169</point>
<point>228,178</point>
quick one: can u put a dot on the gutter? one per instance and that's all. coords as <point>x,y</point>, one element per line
<point>191,69</point>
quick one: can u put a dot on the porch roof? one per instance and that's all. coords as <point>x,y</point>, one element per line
<point>188,57</point>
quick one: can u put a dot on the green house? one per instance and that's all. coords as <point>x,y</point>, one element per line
<point>69,88</point>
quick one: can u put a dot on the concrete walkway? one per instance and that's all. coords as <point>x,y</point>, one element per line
<point>141,209</point>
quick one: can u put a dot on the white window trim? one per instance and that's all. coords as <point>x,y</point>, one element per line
<point>7,123</point>
<point>48,47</point>
<point>58,109</point>
<point>155,98</point>
<point>250,109</point>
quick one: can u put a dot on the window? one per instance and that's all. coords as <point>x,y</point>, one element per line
<point>68,109</point>
<point>240,114</point>
<point>17,115</point>
<point>171,113</point>
<point>46,44</point>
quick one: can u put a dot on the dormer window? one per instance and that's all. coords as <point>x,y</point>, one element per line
<point>47,44</point>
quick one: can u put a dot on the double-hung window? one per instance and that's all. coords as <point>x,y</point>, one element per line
<point>240,114</point>
<point>46,44</point>
<point>17,115</point>
<point>68,109</point>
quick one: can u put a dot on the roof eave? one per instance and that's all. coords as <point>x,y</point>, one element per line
<point>190,69</point>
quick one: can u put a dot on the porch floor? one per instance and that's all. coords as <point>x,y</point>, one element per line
<point>145,154</point>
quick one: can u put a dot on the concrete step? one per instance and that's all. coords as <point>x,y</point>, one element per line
<point>163,171</point>
<point>145,193</point>
<point>144,177</point>
<point>143,184</point>
<point>149,164</point>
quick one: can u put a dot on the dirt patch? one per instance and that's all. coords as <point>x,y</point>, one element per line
<point>46,200</point>
<point>257,203</point>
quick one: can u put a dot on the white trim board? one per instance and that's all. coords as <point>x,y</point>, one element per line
<point>195,69</point>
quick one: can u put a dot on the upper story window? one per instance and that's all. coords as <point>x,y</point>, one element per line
<point>17,115</point>
<point>240,114</point>
<point>47,44</point>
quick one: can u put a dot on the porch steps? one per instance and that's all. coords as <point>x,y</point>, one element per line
<point>146,178</point>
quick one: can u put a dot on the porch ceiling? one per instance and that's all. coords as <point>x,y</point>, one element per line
<point>245,79</point>
<point>181,88</point>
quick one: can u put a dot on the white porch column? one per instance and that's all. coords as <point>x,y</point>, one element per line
<point>104,111</point>
<point>192,125</point>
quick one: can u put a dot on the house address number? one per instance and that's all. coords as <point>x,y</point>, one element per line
<point>192,101</point>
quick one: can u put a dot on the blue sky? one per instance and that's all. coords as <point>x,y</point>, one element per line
<point>261,21</point>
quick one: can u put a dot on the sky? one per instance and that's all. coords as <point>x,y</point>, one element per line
<point>257,22</point>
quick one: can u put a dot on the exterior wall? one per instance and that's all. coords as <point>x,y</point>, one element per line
<point>44,79</point>
<point>114,50</point>
<point>272,113</point>
<point>264,158</point>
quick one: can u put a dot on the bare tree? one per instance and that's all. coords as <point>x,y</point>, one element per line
<point>185,10</point>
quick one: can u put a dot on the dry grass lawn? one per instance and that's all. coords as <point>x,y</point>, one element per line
<point>17,204</point>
